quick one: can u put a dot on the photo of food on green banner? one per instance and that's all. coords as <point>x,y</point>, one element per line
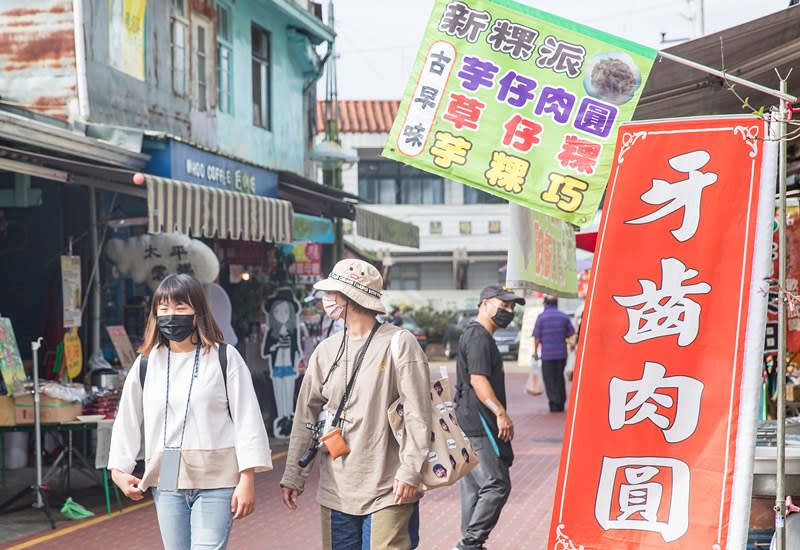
<point>519,103</point>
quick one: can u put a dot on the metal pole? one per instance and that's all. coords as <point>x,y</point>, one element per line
<point>727,76</point>
<point>699,19</point>
<point>96,291</point>
<point>37,420</point>
<point>780,468</point>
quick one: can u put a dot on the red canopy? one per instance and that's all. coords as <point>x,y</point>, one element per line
<point>586,241</point>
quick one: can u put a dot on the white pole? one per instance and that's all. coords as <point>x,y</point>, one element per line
<point>37,420</point>
<point>780,468</point>
<point>699,19</point>
<point>727,76</point>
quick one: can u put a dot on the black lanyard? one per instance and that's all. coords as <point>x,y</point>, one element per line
<point>349,388</point>
<point>188,397</point>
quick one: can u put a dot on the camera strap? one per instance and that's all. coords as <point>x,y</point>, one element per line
<point>349,388</point>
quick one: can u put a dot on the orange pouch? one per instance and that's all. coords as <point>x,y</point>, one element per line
<point>335,443</point>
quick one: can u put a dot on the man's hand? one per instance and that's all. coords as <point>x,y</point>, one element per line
<point>289,497</point>
<point>505,428</point>
<point>128,484</point>
<point>403,492</point>
<point>243,501</point>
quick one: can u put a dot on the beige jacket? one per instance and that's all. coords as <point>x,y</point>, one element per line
<point>361,482</point>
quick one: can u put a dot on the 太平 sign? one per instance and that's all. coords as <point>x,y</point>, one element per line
<point>183,162</point>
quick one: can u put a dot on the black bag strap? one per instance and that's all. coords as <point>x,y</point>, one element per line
<point>356,367</point>
<point>223,365</point>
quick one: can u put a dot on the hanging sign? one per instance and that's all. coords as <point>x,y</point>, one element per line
<point>73,353</point>
<point>650,447</point>
<point>519,103</point>
<point>71,290</point>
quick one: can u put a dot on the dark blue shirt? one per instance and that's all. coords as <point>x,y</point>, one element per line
<point>552,328</point>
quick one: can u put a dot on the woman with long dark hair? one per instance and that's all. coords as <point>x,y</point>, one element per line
<point>192,398</point>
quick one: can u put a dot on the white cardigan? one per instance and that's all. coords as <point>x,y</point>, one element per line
<point>215,447</point>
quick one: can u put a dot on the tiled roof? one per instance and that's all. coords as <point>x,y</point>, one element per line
<point>361,116</point>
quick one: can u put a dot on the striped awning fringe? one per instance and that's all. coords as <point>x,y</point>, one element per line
<point>178,206</point>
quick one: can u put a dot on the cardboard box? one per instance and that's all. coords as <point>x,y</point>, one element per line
<point>7,411</point>
<point>53,411</point>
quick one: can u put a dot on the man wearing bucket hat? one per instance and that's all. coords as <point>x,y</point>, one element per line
<point>481,411</point>
<point>368,487</point>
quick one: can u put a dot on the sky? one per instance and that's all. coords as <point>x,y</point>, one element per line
<point>377,40</point>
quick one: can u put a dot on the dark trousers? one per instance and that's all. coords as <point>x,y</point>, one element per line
<point>484,491</point>
<point>553,375</point>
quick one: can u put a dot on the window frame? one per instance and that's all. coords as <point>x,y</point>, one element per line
<point>376,175</point>
<point>179,19</point>
<point>224,70</point>
<point>207,102</point>
<point>265,74</point>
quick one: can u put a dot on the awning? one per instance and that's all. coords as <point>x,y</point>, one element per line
<point>383,228</point>
<point>174,205</point>
<point>751,51</point>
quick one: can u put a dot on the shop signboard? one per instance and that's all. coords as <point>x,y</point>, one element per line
<point>519,103</point>
<point>541,253</point>
<point>71,290</point>
<point>307,266</point>
<point>173,159</point>
<point>650,445</point>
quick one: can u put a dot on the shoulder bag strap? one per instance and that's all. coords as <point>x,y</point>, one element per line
<point>223,365</point>
<point>142,369</point>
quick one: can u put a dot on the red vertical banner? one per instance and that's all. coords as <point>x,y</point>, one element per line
<point>649,444</point>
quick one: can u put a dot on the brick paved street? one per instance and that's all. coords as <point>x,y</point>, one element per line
<point>523,524</point>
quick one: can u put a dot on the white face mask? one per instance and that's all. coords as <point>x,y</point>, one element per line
<point>332,309</point>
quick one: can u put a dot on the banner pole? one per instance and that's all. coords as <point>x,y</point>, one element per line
<point>727,76</point>
<point>780,467</point>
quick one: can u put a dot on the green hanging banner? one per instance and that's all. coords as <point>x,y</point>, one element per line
<point>519,103</point>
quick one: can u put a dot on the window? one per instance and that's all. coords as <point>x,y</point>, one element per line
<point>390,182</point>
<point>494,226</point>
<point>404,277</point>
<point>476,196</point>
<point>261,77</point>
<point>435,228</point>
<point>178,34</point>
<point>224,59</point>
<point>465,228</point>
<point>203,65</point>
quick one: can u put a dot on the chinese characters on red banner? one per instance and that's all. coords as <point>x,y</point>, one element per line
<point>650,438</point>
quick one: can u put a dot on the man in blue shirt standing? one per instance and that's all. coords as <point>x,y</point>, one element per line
<point>552,333</point>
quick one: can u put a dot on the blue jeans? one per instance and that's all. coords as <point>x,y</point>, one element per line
<point>194,518</point>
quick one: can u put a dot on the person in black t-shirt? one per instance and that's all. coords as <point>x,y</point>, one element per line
<point>481,412</point>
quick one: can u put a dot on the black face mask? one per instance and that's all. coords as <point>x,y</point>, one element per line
<point>502,318</point>
<point>176,327</point>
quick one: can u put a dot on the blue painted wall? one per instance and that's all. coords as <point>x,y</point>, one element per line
<point>282,148</point>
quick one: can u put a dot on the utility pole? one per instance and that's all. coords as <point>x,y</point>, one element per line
<point>699,19</point>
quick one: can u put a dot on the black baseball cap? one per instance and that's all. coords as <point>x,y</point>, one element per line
<point>497,291</point>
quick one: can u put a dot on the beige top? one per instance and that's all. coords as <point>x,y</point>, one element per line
<point>216,447</point>
<point>361,482</point>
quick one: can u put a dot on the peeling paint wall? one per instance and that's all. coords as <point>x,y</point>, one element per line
<point>119,99</point>
<point>37,55</point>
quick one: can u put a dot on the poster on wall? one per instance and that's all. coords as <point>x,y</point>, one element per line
<point>11,367</point>
<point>71,290</point>
<point>519,103</point>
<point>126,36</point>
<point>792,279</point>
<point>307,266</point>
<point>650,450</point>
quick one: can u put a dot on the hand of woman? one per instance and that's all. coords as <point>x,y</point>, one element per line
<point>403,492</point>
<point>243,501</point>
<point>289,497</point>
<point>128,484</point>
